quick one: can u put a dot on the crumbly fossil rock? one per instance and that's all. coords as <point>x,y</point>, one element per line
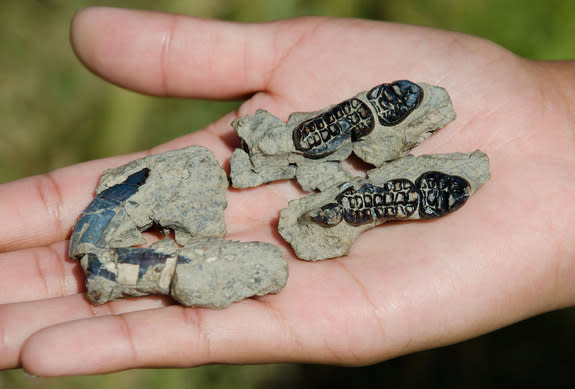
<point>207,272</point>
<point>235,270</point>
<point>114,273</point>
<point>184,192</point>
<point>378,125</point>
<point>325,225</point>
<point>181,191</point>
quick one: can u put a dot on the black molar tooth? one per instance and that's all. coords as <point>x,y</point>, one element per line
<point>440,194</point>
<point>364,205</point>
<point>394,102</point>
<point>340,124</point>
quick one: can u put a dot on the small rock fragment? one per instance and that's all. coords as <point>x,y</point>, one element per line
<point>325,225</point>
<point>226,272</point>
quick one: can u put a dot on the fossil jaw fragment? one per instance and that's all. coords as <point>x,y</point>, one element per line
<point>325,224</point>
<point>378,125</point>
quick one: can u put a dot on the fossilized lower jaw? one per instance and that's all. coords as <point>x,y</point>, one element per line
<point>377,125</point>
<point>325,224</point>
<point>321,135</point>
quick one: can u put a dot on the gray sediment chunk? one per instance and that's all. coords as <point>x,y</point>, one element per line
<point>184,192</point>
<point>325,224</point>
<point>214,272</point>
<point>181,191</point>
<point>378,125</point>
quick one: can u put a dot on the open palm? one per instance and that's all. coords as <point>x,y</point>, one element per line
<point>506,255</point>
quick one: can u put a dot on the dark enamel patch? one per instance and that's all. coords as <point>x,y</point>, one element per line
<point>440,194</point>
<point>393,102</point>
<point>323,134</point>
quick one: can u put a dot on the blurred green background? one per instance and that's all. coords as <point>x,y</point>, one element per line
<point>54,113</point>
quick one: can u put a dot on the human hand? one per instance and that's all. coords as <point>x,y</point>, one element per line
<point>508,254</point>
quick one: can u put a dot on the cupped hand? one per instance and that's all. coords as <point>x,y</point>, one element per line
<point>508,254</point>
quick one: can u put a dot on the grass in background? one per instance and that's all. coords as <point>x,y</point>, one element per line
<point>212,377</point>
<point>54,113</point>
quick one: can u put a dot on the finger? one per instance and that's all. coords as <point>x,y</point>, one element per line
<point>176,337</point>
<point>47,206</point>
<point>19,321</point>
<point>175,55</point>
<point>39,273</point>
<point>40,210</point>
<point>305,321</point>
